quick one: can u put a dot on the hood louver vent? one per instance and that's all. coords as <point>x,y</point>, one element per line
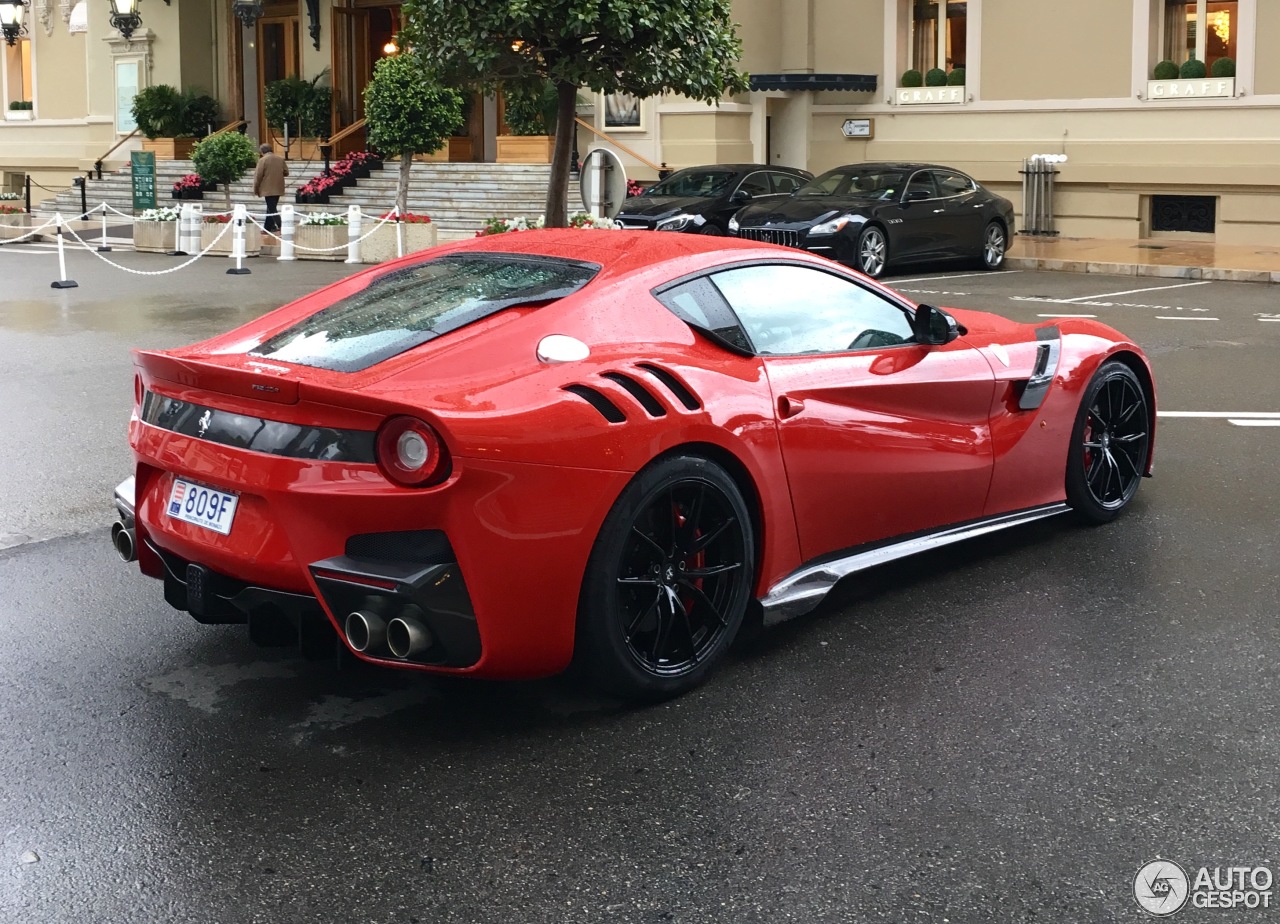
<point>654,392</point>
<point>608,410</point>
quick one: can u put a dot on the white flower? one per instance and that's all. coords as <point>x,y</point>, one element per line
<point>162,214</point>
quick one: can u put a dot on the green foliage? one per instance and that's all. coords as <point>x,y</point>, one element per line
<point>956,77</point>
<point>157,110</point>
<point>199,111</point>
<point>936,77</point>
<point>1165,70</point>
<point>224,158</point>
<point>407,110</point>
<point>912,78</point>
<point>303,105</point>
<point>531,110</point>
<point>23,104</point>
<point>1223,67</point>
<point>1192,69</point>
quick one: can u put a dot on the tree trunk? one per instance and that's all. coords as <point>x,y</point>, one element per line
<point>558,189</point>
<point>227,189</point>
<point>402,190</point>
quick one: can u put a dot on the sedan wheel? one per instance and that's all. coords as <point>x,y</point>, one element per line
<point>873,252</point>
<point>994,245</point>
<point>668,581</point>
<point>711,229</point>
<point>1109,444</point>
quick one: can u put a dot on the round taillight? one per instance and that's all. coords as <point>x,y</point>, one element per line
<point>410,453</point>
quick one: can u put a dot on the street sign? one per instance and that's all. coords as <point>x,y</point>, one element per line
<point>859,128</point>
<point>143,164</point>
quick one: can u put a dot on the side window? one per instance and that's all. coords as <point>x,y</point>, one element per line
<point>699,304</point>
<point>788,310</point>
<point>953,184</point>
<point>785,182</point>
<point>922,181</point>
<point>757,184</point>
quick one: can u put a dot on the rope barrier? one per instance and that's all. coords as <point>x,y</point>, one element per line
<point>32,233</point>
<point>173,269</point>
<point>296,246</point>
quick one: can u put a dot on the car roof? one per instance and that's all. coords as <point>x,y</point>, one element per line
<point>743,168</point>
<point>893,165</point>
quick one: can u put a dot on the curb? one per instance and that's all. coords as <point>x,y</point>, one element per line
<point>1207,273</point>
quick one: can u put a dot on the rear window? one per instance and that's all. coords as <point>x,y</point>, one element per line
<point>405,308</point>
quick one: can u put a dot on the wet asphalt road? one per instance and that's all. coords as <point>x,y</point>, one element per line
<point>1004,731</point>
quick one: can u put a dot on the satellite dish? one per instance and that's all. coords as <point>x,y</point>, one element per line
<point>603,183</point>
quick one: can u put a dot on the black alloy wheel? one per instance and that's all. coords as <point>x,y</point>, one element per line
<point>1109,443</point>
<point>872,255</point>
<point>995,244</point>
<point>668,581</point>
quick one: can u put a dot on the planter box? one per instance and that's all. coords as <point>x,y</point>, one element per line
<point>1205,88</point>
<point>252,239</point>
<point>155,236</point>
<point>525,149</point>
<point>169,148</point>
<point>14,225</point>
<point>299,148</point>
<point>381,244</point>
<point>19,115</point>
<point>317,237</point>
<point>458,150</point>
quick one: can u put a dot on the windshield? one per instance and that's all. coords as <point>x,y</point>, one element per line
<point>402,309</point>
<point>693,182</point>
<point>859,182</point>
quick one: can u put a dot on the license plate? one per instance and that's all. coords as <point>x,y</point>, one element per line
<point>194,503</point>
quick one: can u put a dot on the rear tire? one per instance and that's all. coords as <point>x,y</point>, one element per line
<point>1108,453</point>
<point>668,581</point>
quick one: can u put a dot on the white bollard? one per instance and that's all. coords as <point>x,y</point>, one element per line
<point>238,218</point>
<point>62,282</point>
<point>353,234</point>
<point>286,233</point>
<point>395,212</point>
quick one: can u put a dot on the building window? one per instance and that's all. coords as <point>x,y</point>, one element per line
<point>17,72</point>
<point>938,34</point>
<point>1200,29</point>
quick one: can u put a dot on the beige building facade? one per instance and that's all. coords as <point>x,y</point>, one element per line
<point>1185,157</point>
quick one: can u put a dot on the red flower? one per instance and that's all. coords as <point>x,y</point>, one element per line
<point>408,218</point>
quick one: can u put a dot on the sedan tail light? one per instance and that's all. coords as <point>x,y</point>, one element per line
<point>411,453</point>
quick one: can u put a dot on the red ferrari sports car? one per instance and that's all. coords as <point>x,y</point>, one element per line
<point>613,448</point>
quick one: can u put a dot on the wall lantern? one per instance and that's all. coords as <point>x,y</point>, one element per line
<point>125,17</point>
<point>247,11</point>
<point>12,13</point>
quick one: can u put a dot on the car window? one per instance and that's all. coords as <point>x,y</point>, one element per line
<point>922,181</point>
<point>788,310</point>
<point>757,184</point>
<point>785,182</point>
<point>699,304</point>
<point>695,181</point>
<point>863,182</point>
<point>951,183</point>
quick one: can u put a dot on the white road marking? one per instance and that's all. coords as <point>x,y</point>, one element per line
<point>1183,317</point>
<point>1223,415</point>
<point>1181,285</point>
<point>1253,422</point>
<point>39,253</point>
<point>896,282</point>
<point>1066,315</point>
<point>1269,319</point>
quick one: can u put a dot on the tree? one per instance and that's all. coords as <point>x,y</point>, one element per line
<point>641,47</point>
<point>224,159</point>
<point>409,111</point>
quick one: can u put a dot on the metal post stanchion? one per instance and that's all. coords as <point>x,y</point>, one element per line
<point>62,282</point>
<point>28,193</point>
<point>102,244</point>
<point>353,234</point>
<point>286,233</point>
<point>237,242</point>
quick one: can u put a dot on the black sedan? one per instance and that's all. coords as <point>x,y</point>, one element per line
<point>870,216</point>
<point>701,200</point>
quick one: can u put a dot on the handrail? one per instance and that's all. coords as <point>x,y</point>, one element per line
<point>229,127</point>
<point>97,164</point>
<point>619,144</point>
<point>357,125</point>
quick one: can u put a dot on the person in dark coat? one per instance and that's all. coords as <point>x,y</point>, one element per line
<point>268,182</point>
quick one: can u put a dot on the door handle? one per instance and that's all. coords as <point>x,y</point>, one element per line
<point>789,407</point>
<point>938,211</point>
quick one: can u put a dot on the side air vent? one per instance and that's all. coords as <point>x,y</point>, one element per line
<point>651,404</point>
<point>674,385</point>
<point>608,410</point>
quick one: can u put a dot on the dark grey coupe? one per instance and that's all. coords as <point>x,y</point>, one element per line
<point>871,216</point>
<point>701,200</point>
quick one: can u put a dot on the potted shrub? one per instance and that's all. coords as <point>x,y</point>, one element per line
<point>302,106</point>
<point>956,77</point>
<point>1171,81</point>
<point>417,232</point>
<point>1192,69</point>
<point>1165,70</point>
<point>189,186</point>
<point>200,114</point>
<point>156,231</point>
<point>1223,68</point>
<point>409,111</point>
<point>530,113</point>
<point>20,110</point>
<point>158,112</point>
<point>935,77</point>
<point>912,78</point>
<point>224,159</point>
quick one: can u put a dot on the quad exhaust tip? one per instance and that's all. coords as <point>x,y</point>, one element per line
<point>125,541</point>
<point>366,631</point>
<point>407,638</point>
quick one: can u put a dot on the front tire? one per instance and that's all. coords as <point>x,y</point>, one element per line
<point>1109,442</point>
<point>995,244</point>
<point>712,229</point>
<point>872,255</point>
<point>668,581</point>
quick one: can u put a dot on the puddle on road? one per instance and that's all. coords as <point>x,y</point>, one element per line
<point>131,315</point>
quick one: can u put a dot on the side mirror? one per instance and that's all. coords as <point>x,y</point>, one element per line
<point>934,327</point>
<point>740,197</point>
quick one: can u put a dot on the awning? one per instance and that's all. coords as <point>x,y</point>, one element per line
<point>858,83</point>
